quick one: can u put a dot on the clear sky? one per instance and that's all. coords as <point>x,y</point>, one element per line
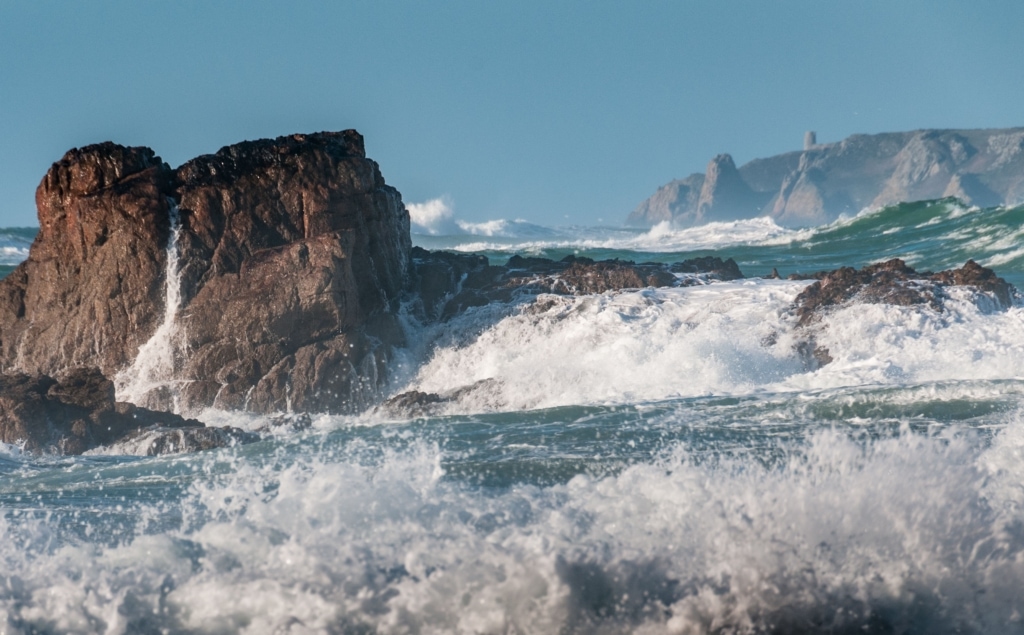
<point>553,112</point>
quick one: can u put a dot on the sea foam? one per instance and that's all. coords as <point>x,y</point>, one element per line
<point>911,532</point>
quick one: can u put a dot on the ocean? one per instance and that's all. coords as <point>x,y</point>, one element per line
<point>650,461</point>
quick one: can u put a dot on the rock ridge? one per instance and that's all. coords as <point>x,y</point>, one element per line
<point>980,167</point>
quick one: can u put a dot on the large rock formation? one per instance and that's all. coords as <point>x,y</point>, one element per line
<point>817,185</point>
<point>287,259</point>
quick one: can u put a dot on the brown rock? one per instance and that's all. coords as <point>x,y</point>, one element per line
<point>72,414</point>
<point>293,254</point>
<point>450,283</point>
<point>91,291</point>
<point>893,282</point>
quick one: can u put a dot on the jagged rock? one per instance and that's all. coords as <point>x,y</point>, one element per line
<point>91,291</point>
<point>890,282</point>
<point>674,202</point>
<point>817,185</point>
<point>450,283</point>
<point>293,251</point>
<point>893,282</point>
<point>724,195</point>
<point>71,414</point>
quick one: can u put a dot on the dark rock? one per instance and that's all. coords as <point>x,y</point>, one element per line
<point>72,414</point>
<point>716,268</point>
<point>893,282</point>
<point>448,284</point>
<point>982,278</point>
<point>415,403</point>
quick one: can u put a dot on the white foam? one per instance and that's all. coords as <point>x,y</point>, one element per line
<point>434,217</point>
<point>618,347</point>
<point>916,532</point>
<point>713,340</point>
<point>663,237</point>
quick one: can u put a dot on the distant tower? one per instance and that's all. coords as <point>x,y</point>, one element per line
<point>810,139</point>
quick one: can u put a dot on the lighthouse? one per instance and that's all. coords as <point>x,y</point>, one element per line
<point>810,140</point>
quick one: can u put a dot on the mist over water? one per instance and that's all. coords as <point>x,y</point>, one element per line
<point>651,461</point>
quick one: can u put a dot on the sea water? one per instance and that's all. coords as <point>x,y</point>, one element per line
<point>650,461</point>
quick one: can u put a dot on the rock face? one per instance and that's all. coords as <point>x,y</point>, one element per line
<point>980,167</point>
<point>91,291</point>
<point>290,257</point>
<point>674,202</point>
<point>724,195</point>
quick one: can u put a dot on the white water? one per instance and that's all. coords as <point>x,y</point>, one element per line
<point>713,340</point>
<point>917,532</point>
<point>519,237</point>
<point>155,364</point>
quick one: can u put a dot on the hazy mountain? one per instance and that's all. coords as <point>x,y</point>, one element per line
<point>816,185</point>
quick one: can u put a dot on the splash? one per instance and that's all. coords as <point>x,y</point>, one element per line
<point>150,379</point>
<point>735,338</point>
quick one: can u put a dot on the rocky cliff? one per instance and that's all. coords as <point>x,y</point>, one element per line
<point>818,184</point>
<point>263,277</point>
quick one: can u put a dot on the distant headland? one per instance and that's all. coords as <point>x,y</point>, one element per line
<point>825,180</point>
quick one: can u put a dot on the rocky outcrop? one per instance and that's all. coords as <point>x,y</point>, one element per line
<point>893,282</point>
<point>674,202</point>
<point>289,257</point>
<point>817,185</point>
<point>296,252</point>
<point>724,195</point>
<point>91,291</point>
<point>448,283</point>
<point>77,412</point>
<point>890,282</point>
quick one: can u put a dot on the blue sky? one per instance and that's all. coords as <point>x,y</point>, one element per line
<point>554,112</point>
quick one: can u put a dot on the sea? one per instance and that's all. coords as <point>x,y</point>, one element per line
<point>645,461</point>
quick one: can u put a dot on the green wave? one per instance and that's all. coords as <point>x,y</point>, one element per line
<point>928,235</point>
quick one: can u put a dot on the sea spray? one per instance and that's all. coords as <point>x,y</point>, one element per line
<point>150,380</point>
<point>360,530</point>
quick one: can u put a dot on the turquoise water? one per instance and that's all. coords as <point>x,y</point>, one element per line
<point>931,235</point>
<point>654,461</point>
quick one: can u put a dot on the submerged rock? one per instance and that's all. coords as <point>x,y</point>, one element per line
<point>415,403</point>
<point>157,440</point>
